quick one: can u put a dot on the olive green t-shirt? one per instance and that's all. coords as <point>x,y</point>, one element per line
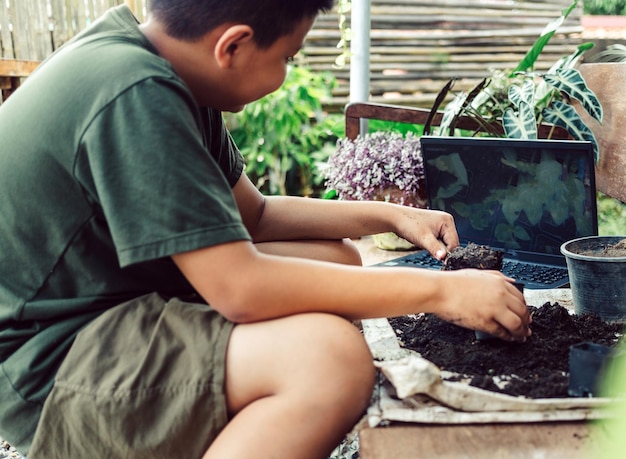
<point>107,167</point>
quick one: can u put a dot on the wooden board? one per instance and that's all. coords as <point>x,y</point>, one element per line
<point>568,440</point>
<point>16,67</point>
<point>12,71</point>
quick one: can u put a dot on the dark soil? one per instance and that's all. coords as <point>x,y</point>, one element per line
<point>474,256</point>
<point>538,368</point>
<point>611,250</point>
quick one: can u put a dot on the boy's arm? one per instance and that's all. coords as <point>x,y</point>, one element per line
<point>246,285</point>
<point>285,218</point>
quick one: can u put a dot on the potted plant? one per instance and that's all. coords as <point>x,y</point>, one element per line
<point>381,166</point>
<point>517,103</point>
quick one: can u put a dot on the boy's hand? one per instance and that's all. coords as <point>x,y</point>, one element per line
<point>486,301</point>
<point>430,229</point>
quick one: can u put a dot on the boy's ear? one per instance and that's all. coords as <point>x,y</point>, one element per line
<point>230,42</point>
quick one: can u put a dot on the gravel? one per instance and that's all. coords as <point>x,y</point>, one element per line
<point>9,452</point>
<point>349,449</point>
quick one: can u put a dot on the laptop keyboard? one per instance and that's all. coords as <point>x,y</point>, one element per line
<point>522,272</point>
<point>533,273</point>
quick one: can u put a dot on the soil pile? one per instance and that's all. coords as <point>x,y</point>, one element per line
<point>538,368</point>
<point>474,256</point>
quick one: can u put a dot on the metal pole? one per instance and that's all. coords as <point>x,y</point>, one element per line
<point>360,55</point>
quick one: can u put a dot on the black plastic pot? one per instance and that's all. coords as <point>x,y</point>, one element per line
<point>597,281</point>
<point>587,364</point>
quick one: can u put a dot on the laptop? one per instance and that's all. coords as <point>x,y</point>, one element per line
<point>524,197</point>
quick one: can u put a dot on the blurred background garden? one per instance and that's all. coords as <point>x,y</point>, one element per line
<point>417,45</point>
<point>287,139</point>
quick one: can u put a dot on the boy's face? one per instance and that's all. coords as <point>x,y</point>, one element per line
<point>257,71</point>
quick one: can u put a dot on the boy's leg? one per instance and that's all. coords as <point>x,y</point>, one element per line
<point>295,386</point>
<point>339,251</point>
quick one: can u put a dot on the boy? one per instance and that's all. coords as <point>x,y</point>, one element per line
<point>125,213</point>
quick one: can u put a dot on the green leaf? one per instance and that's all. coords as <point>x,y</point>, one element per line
<point>528,62</point>
<point>544,91</point>
<point>521,124</point>
<point>572,83</point>
<point>486,125</point>
<point>565,116</point>
<point>450,114</point>
<point>525,93</point>
<point>570,61</point>
<point>467,103</point>
<point>613,53</point>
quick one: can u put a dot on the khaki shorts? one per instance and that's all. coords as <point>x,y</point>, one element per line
<point>144,380</point>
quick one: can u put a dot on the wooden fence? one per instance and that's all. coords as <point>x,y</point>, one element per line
<point>416,45</point>
<point>33,29</point>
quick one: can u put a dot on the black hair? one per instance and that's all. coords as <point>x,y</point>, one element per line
<point>270,19</point>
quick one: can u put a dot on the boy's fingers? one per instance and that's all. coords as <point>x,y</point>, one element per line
<point>516,326</point>
<point>436,248</point>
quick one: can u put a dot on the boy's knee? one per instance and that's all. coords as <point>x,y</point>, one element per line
<point>348,357</point>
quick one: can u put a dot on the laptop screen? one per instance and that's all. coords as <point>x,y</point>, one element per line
<point>520,195</point>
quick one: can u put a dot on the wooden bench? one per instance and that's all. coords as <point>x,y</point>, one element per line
<point>12,71</point>
<point>357,111</point>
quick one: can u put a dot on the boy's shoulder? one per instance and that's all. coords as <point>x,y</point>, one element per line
<point>102,61</point>
<point>113,41</point>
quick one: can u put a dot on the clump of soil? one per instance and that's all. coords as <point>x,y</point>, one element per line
<point>538,368</point>
<point>474,256</point>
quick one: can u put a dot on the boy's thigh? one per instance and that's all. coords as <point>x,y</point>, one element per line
<point>338,251</point>
<point>144,380</point>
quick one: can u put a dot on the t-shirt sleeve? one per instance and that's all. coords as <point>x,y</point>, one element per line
<point>145,166</point>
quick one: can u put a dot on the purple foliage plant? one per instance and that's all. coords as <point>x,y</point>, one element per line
<point>381,166</point>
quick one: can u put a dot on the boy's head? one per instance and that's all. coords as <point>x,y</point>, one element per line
<point>231,52</point>
<point>270,19</point>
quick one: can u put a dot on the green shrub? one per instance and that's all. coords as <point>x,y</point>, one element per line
<point>605,7</point>
<point>611,216</point>
<point>284,134</point>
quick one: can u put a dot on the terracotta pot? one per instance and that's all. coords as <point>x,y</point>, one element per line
<point>608,81</point>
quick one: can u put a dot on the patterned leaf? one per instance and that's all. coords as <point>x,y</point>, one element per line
<point>525,93</point>
<point>565,116</point>
<point>572,83</point>
<point>521,124</point>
